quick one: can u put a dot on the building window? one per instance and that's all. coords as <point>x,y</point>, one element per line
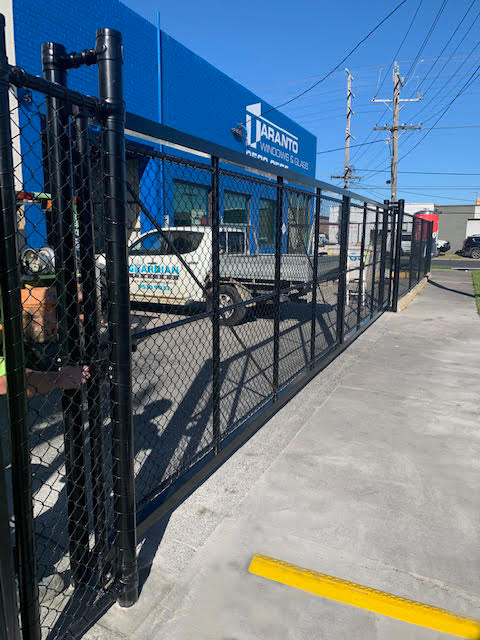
<point>298,226</point>
<point>266,223</point>
<point>235,208</point>
<point>190,204</point>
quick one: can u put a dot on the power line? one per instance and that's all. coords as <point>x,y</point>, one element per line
<point>450,57</point>
<point>447,61</point>
<point>426,39</point>
<point>359,155</point>
<point>465,86</point>
<point>297,80</point>
<point>352,145</point>
<point>428,186</point>
<point>447,43</point>
<point>400,46</point>
<point>344,59</point>
<point>444,109</point>
<point>429,195</point>
<point>426,173</point>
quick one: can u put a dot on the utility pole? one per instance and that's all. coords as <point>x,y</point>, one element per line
<point>395,127</point>
<point>347,169</point>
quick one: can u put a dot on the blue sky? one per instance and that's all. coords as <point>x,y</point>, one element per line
<point>278,48</point>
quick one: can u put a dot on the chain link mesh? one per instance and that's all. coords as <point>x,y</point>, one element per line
<point>300,271</point>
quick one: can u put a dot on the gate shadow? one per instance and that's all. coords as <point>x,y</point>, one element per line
<point>187,435</point>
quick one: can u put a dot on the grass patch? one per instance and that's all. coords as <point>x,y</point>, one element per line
<point>440,266</point>
<point>448,256</point>
<point>476,288</point>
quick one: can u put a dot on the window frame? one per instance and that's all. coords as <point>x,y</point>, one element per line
<point>274,220</point>
<point>227,192</point>
<point>189,183</point>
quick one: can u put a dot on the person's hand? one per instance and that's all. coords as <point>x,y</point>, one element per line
<point>72,377</point>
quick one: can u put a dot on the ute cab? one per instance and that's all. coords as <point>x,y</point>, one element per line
<point>158,275</point>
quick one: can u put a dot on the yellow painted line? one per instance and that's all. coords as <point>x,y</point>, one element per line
<point>358,595</point>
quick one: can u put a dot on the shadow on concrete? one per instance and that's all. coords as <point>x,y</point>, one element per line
<point>442,286</point>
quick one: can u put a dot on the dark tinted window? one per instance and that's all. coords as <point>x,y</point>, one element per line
<point>154,243</point>
<point>190,204</point>
<point>232,242</point>
<point>266,225</point>
<point>236,242</point>
<point>235,208</point>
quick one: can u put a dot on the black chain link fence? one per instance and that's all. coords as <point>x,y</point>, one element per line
<point>242,285</point>
<point>415,252</point>
<point>66,354</point>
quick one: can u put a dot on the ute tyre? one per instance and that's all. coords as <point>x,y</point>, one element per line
<point>475,253</point>
<point>229,295</point>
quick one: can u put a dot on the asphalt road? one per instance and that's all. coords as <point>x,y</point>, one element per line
<point>467,263</point>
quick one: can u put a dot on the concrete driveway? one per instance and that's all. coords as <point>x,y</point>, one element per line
<point>370,474</point>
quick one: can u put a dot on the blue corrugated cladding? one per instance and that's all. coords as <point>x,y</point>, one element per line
<point>74,25</point>
<point>199,99</point>
<point>196,98</point>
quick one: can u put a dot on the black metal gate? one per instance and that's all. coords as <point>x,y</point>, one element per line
<point>70,463</point>
<point>219,285</point>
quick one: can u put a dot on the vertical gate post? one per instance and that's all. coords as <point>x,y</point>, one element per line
<point>9,628</point>
<point>398,250</point>
<point>342,269</point>
<point>215,222</point>
<point>362,265</point>
<point>15,368</point>
<point>413,250</point>
<point>383,254</point>
<point>68,310</point>
<point>316,232</point>
<point>391,214</point>
<point>374,271</point>
<point>83,190</point>
<point>428,257</point>
<point>110,60</point>
<point>277,288</point>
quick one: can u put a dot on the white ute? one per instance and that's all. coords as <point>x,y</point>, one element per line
<point>158,275</point>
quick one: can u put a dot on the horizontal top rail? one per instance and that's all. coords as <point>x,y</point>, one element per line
<point>162,134</point>
<point>22,79</point>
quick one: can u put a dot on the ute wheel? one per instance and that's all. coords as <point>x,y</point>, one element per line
<point>475,253</point>
<point>229,295</point>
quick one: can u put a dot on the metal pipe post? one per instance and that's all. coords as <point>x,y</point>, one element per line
<point>10,302</point>
<point>383,254</point>
<point>413,246</point>
<point>316,231</point>
<point>277,288</point>
<point>398,251</point>
<point>68,309</point>
<point>215,223</point>
<point>391,213</point>
<point>9,628</point>
<point>362,265</point>
<point>374,270</point>
<point>90,295</point>
<point>342,269</point>
<point>428,257</point>
<point>109,58</point>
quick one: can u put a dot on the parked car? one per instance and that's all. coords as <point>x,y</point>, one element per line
<point>443,246</point>
<point>471,247</point>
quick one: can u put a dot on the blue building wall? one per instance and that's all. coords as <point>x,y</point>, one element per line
<point>163,81</point>
<point>199,99</point>
<point>74,25</point>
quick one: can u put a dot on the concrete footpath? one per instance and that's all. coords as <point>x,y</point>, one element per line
<point>370,474</point>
